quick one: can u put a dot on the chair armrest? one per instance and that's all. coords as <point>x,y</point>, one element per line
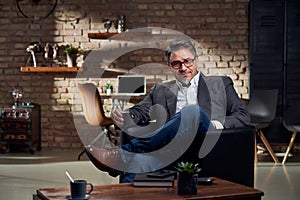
<point>232,158</point>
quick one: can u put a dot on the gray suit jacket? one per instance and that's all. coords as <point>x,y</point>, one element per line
<point>216,96</point>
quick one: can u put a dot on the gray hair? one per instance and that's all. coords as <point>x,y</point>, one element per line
<point>180,44</point>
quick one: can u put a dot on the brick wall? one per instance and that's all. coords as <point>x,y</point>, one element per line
<point>220,26</point>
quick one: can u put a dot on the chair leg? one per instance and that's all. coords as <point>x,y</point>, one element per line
<point>81,153</point>
<point>289,147</point>
<point>255,150</point>
<point>270,150</point>
<point>103,133</point>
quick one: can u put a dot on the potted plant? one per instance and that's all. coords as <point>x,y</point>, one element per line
<point>108,88</point>
<point>71,55</point>
<point>187,181</point>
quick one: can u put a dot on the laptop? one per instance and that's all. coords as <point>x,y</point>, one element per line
<point>132,84</point>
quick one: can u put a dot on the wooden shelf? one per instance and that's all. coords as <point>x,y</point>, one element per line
<point>112,72</point>
<point>100,35</point>
<point>51,69</point>
<point>123,35</point>
<point>116,70</point>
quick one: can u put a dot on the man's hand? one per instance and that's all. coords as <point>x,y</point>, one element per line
<point>118,118</point>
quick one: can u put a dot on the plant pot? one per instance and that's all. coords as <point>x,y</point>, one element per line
<point>187,183</point>
<point>108,91</point>
<point>71,60</point>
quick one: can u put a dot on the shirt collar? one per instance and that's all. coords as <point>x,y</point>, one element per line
<point>195,80</point>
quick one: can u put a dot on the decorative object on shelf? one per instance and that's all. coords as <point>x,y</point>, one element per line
<point>187,181</point>
<point>107,25</point>
<point>36,10</point>
<point>108,88</point>
<point>50,54</point>
<point>121,24</point>
<point>17,94</point>
<point>33,48</point>
<point>71,56</point>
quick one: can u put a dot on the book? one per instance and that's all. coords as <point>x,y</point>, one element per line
<point>142,180</point>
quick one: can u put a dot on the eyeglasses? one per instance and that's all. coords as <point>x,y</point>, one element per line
<point>177,64</point>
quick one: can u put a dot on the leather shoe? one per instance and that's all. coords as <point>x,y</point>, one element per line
<point>105,159</point>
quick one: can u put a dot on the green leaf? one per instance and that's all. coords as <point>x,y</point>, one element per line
<point>188,167</point>
<point>71,50</point>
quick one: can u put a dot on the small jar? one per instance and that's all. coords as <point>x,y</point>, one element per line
<point>121,24</point>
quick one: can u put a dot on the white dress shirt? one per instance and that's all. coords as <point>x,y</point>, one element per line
<point>187,95</point>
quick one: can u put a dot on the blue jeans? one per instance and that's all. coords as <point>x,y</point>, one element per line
<point>190,120</point>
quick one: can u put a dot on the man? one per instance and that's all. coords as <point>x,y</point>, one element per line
<point>189,106</point>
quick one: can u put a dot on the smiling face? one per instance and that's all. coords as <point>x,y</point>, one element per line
<point>183,62</point>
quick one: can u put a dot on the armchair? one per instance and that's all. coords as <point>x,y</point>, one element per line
<point>232,157</point>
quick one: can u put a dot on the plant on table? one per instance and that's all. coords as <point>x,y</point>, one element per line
<point>187,167</point>
<point>187,178</point>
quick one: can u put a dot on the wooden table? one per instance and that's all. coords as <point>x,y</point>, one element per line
<point>220,189</point>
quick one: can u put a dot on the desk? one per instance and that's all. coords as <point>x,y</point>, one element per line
<point>219,190</point>
<point>122,98</point>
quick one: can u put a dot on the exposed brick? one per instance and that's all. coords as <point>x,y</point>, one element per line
<point>220,71</point>
<point>238,58</point>
<point>215,58</point>
<point>226,58</point>
<point>241,90</point>
<point>67,96</point>
<point>62,101</point>
<point>222,64</point>
<point>234,64</point>
<point>234,77</point>
<point>210,65</point>
<point>220,27</point>
<point>60,108</point>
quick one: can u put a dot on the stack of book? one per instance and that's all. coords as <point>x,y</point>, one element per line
<point>143,180</point>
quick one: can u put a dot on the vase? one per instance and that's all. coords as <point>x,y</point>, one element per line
<point>71,60</point>
<point>108,91</point>
<point>187,183</point>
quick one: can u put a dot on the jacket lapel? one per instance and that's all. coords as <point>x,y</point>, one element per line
<point>171,97</point>
<point>203,96</point>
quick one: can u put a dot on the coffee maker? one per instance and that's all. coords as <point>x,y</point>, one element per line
<point>33,48</point>
<point>17,94</point>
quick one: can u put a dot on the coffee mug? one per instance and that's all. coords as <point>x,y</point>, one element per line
<point>79,189</point>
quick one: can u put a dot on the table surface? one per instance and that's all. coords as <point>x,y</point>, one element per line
<point>220,189</point>
<point>124,97</point>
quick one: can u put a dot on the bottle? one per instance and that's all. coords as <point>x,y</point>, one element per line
<point>121,24</point>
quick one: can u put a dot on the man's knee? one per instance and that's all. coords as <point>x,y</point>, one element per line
<point>193,110</point>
